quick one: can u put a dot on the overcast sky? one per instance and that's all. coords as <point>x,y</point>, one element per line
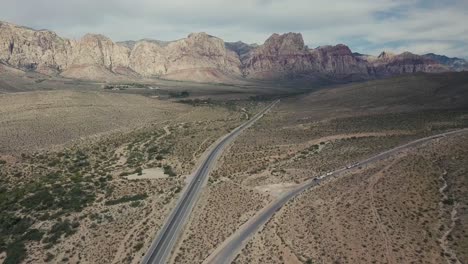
<point>367,26</point>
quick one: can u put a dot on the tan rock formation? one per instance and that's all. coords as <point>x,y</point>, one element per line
<point>199,57</point>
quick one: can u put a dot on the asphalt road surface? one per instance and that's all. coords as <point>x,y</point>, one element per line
<point>229,249</point>
<point>166,239</point>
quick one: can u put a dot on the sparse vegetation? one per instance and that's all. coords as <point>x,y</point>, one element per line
<point>168,170</point>
<point>52,199</point>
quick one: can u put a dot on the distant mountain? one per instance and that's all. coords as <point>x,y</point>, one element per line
<point>199,57</point>
<point>455,64</point>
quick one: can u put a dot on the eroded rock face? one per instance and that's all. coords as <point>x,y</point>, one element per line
<point>339,61</point>
<point>148,59</point>
<point>199,57</point>
<point>29,49</point>
<point>199,52</point>
<point>280,55</point>
<point>100,50</point>
<point>46,52</point>
<point>283,55</point>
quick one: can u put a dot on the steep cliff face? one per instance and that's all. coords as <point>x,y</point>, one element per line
<point>279,56</point>
<point>339,61</point>
<point>100,50</point>
<point>90,57</point>
<point>29,49</point>
<point>96,56</point>
<point>148,59</point>
<point>199,57</point>
<point>286,55</point>
<point>200,50</point>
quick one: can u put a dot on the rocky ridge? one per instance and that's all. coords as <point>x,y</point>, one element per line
<point>199,57</point>
<point>456,64</point>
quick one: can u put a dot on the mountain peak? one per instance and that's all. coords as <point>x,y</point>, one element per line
<point>285,43</point>
<point>199,35</point>
<point>95,37</point>
<point>386,55</point>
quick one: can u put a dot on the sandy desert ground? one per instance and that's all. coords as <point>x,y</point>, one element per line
<point>99,167</point>
<point>65,162</point>
<point>408,209</point>
<point>307,136</point>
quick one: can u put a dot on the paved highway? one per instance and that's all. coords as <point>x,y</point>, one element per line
<point>229,249</point>
<point>164,242</point>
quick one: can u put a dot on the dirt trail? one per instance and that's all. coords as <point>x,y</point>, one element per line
<point>374,179</point>
<point>200,149</point>
<point>449,254</point>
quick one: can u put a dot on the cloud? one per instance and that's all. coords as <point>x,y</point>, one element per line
<point>365,25</point>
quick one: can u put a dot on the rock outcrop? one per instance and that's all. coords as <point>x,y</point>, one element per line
<point>286,55</point>
<point>339,61</point>
<point>199,57</point>
<point>40,50</point>
<point>199,52</point>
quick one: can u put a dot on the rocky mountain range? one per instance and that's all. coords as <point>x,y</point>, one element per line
<point>199,57</point>
<point>455,64</point>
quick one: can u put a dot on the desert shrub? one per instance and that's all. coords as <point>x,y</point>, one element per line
<point>168,170</point>
<point>16,253</point>
<point>33,235</point>
<point>138,246</point>
<point>58,229</point>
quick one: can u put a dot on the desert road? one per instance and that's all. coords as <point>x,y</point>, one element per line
<point>229,249</point>
<point>166,238</point>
